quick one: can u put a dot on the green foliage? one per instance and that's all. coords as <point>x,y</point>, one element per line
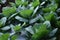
<point>49,16</point>
<point>36,18</point>
<point>14,37</point>
<point>35,3</point>
<point>4,36</point>
<point>26,13</point>
<point>1,23</point>
<point>58,24</point>
<point>25,3</point>
<point>18,2</point>
<point>51,7</point>
<point>12,4</point>
<point>41,32</point>
<point>57,1</point>
<point>17,28</point>
<point>8,11</point>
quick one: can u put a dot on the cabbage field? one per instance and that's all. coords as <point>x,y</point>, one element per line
<point>29,20</point>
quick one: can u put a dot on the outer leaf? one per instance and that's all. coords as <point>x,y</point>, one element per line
<point>3,21</point>
<point>21,19</point>
<point>5,28</point>
<point>29,29</point>
<point>53,32</point>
